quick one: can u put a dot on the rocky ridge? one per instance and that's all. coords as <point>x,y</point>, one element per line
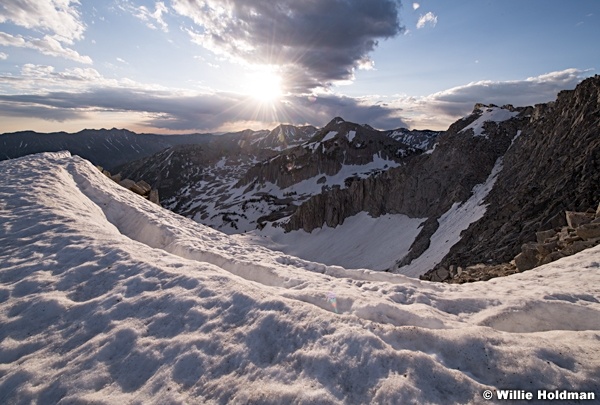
<point>552,167</point>
<point>582,232</point>
<point>243,185</point>
<point>428,184</point>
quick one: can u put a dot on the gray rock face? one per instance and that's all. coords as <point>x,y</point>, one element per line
<point>552,167</point>
<point>338,143</point>
<point>425,186</point>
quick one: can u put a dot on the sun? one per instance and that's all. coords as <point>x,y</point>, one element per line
<point>264,85</point>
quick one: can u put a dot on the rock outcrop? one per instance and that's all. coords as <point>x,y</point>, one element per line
<point>141,188</point>
<point>426,185</point>
<point>582,232</point>
<point>552,167</point>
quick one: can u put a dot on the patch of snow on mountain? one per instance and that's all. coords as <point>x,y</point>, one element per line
<point>350,135</point>
<point>108,298</point>
<point>390,237</point>
<point>330,135</point>
<point>451,224</point>
<point>495,114</point>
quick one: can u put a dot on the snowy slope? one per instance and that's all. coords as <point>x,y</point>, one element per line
<point>489,114</point>
<point>360,242</point>
<point>107,298</point>
<point>451,224</point>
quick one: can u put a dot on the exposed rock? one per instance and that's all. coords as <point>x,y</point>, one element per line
<point>544,235</point>
<point>153,197</point>
<point>421,243</point>
<point>425,186</point>
<point>141,187</point>
<point>553,166</point>
<point>589,231</point>
<point>551,245</point>
<point>127,183</point>
<point>575,219</point>
<point>145,187</point>
<point>527,259</point>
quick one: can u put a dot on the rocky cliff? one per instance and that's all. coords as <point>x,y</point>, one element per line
<point>428,184</point>
<point>552,167</point>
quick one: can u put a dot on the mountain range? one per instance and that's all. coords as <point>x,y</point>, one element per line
<point>424,199</point>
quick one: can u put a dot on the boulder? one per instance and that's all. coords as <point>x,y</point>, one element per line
<point>153,197</point>
<point>138,190</point>
<point>145,187</point>
<point>546,248</point>
<point>545,235</point>
<point>127,183</point>
<point>588,231</point>
<point>576,219</point>
<point>528,258</point>
<point>442,274</point>
<point>116,178</point>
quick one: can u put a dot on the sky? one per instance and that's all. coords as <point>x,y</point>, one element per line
<point>183,66</point>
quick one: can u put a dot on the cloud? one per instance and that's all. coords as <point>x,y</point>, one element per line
<point>415,6</point>
<point>47,45</point>
<point>59,18</point>
<point>315,43</point>
<point>44,92</point>
<point>428,18</point>
<point>69,94</point>
<point>3,56</point>
<point>150,17</point>
<point>440,109</point>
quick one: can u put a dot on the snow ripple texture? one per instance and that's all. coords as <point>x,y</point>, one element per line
<point>107,298</point>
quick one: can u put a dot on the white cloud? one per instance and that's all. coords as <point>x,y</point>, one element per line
<point>3,56</point>
<point>428,18</point>
<point>59,18</point>
<point>151,18</point>
<point>415,6</point>
<point>438,110</point>
<point>47,45</point>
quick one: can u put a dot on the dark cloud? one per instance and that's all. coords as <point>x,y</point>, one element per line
<point>314,42</point>
<point>168,110</point>
<point>206,112</point>
<point>27,110</point>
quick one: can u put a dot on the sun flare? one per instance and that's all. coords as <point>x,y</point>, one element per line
<point>264,85</point>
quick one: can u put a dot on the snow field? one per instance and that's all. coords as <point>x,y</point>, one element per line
<point>360,242</point>
<point>107,298</point>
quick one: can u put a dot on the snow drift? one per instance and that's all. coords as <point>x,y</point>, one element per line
<point>108,298</point>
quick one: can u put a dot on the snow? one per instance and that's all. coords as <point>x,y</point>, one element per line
<point>351,135</point>
<point>330,135</point>
<point>389,237</point>
<point>494,114</point>
<point>451,224</point>
<point>108,298</point>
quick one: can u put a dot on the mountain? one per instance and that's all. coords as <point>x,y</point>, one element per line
<point>115,147</point>
<point>493,179</point>
<point>107,148</point>
<point>254,183</point>
<point>108,298</point>
<point>552,167</point>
